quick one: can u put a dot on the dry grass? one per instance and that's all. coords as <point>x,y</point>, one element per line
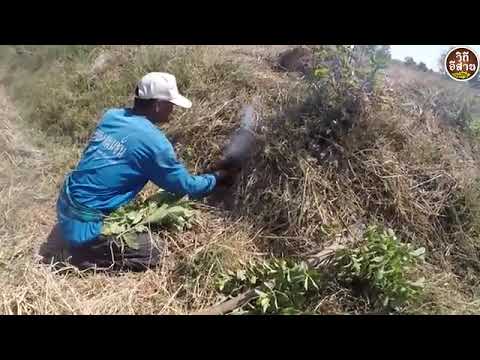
<point>399,166</point>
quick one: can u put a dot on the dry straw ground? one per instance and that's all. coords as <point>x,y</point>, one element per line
<point>401,165</point>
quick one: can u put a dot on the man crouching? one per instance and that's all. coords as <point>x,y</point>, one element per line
<point>126,151</point>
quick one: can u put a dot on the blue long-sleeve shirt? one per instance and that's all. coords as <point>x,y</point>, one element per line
<point>125,152</point>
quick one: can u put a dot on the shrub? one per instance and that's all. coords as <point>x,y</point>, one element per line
<point>384,266</point>
<point>282,286</point>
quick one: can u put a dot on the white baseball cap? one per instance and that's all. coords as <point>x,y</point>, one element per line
<point>161,86</point>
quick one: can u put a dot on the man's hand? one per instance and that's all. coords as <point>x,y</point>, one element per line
<point>226,178</point>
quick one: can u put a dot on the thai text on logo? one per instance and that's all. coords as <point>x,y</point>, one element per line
<point>461,64</point>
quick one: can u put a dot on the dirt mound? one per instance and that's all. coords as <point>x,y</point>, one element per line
<point>299,59</point>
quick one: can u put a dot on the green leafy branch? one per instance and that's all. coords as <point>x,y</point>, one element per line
<point>385,264</point>
<point>162,209</point>
<point>281,286</point>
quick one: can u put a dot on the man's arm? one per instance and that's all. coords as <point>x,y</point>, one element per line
<point>168,173</point>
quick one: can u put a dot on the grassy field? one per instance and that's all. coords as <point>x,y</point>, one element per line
<point>318,195</point>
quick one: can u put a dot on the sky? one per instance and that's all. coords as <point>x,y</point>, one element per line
<point>429,54</point>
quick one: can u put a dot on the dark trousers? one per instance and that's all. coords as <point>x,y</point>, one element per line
<point>104,253</point>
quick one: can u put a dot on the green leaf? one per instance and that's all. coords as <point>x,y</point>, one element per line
<point>158,215</point>
<point>418,252</point>
<point>222,282</point>
<point>131,240</point>
<point>132,215</point>
<point>152,206</point>
<point>321,72</point>
<point>419,283</point>
<point>241,275</point>
<point>178,227</point>
<point>179,211</point>
<point>113,228</point>
<point>140,228</point>
<point>138,218</point>
<point>380,274</point>
<point>107,229</point>
<point>264,303</point>
<point>290,311</point>
<point>314,283</point>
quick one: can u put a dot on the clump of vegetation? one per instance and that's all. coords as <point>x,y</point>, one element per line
<point>384,267</point>
<point>475,127</point>
<point>281,286</point>
<point>162,209</point>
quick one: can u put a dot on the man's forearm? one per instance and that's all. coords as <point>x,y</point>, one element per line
<point>183,183</point>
